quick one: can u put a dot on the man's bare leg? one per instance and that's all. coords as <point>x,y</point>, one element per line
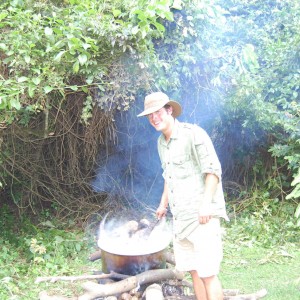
<point>199,287</point>
<point>213,288</point>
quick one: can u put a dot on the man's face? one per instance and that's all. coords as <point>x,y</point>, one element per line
<point>161,119</point>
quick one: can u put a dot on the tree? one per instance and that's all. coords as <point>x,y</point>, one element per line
<point>67,68</point>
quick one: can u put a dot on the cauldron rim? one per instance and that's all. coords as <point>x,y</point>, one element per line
<point>132,254</point>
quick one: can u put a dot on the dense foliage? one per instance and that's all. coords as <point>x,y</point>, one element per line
<point>65,65</point>
<point>68,66</point>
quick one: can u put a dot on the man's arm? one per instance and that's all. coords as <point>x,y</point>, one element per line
<point>162,209</point>
<point>211,182</point>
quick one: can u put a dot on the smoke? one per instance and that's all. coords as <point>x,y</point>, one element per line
<point>131,169</point>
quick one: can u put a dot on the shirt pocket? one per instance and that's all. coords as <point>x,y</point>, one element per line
<point>181,166</point>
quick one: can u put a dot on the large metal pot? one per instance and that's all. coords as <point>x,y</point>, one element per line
<point>132,264</point>
<point>131,255</point>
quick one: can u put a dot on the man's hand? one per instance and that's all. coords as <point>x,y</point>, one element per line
<point>204,214</point>
<point>204,219</point>
<point>161,212</point>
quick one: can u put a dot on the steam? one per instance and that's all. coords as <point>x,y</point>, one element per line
<point>134,237</point>
<point>131,169</point>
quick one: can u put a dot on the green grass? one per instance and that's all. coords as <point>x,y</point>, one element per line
<point>250,269</point>
<point>260,252</point>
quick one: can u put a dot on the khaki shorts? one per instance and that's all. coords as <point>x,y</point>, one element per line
<point>201,251</point>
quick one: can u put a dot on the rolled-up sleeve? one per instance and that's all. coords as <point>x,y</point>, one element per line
<point>206,154</point>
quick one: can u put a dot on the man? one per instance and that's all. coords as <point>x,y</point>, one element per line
<point>193,191</point>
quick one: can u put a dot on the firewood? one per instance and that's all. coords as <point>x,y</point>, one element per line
<point>154,292</point>
<point>231,292</point>
<point>82,277</point>
<point>228,295</point>
<point>254,296</point>
<point>182,297</point>
<point>96,255</point>
<point>183,283</point>
<point>135,293</point>
<point>126,296</point>
<point>257,295</point>
<point>170,258</point>
<point>44,296</point>
<point>94,290</point>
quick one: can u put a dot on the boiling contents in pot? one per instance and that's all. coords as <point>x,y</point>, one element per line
<point>134,237</point>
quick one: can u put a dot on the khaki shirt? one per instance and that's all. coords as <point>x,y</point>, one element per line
<point>186,159</point>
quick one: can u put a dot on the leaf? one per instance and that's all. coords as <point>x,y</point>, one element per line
<point>48,31</point>
<point>177,4</point>
<point>48,89</point>
<point>73,87</point>
<point>85,89</point>
<point>36,80</point>
<point>27,59</point>
<point>59,239</point>
<point>90,80</point>
<point>77,247</point>
<point>76,67</point>
<point>82,59</point>
<point>86,46</point>
<point>250,56</point>
<point>31,89</point>
<point>135,30</point>
<point>295,193</point>
<point>296,179</point>
<point>297,212</point>
<point>116,12</point>
<point>101,88</point>
<point>48,224</point>
<point>3,103</point>
<point>3,46</point>
<point>15,103</point>
<point>3,15</point>
<point>58,57</point>
<point>22,79</point>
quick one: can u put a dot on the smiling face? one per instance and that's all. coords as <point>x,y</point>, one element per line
<point>162,120</point>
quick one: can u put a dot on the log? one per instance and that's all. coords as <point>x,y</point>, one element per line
<point>82,277</point>
<point>170,258</point>
<point>257,295</point>
<point>154,292</point>
<point>192,297</point>
<point>228,295</point>
<point>254,296</point>
<point>95,256</point>
<point>44,296</point>
<point>231,292</point>
<point>94,290</point>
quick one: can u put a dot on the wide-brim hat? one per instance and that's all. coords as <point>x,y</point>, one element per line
<point>156,101</point>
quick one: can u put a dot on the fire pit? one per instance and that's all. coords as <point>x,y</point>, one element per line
<point>133,247</point>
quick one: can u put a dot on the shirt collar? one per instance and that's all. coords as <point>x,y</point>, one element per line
<point>174,135</point>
